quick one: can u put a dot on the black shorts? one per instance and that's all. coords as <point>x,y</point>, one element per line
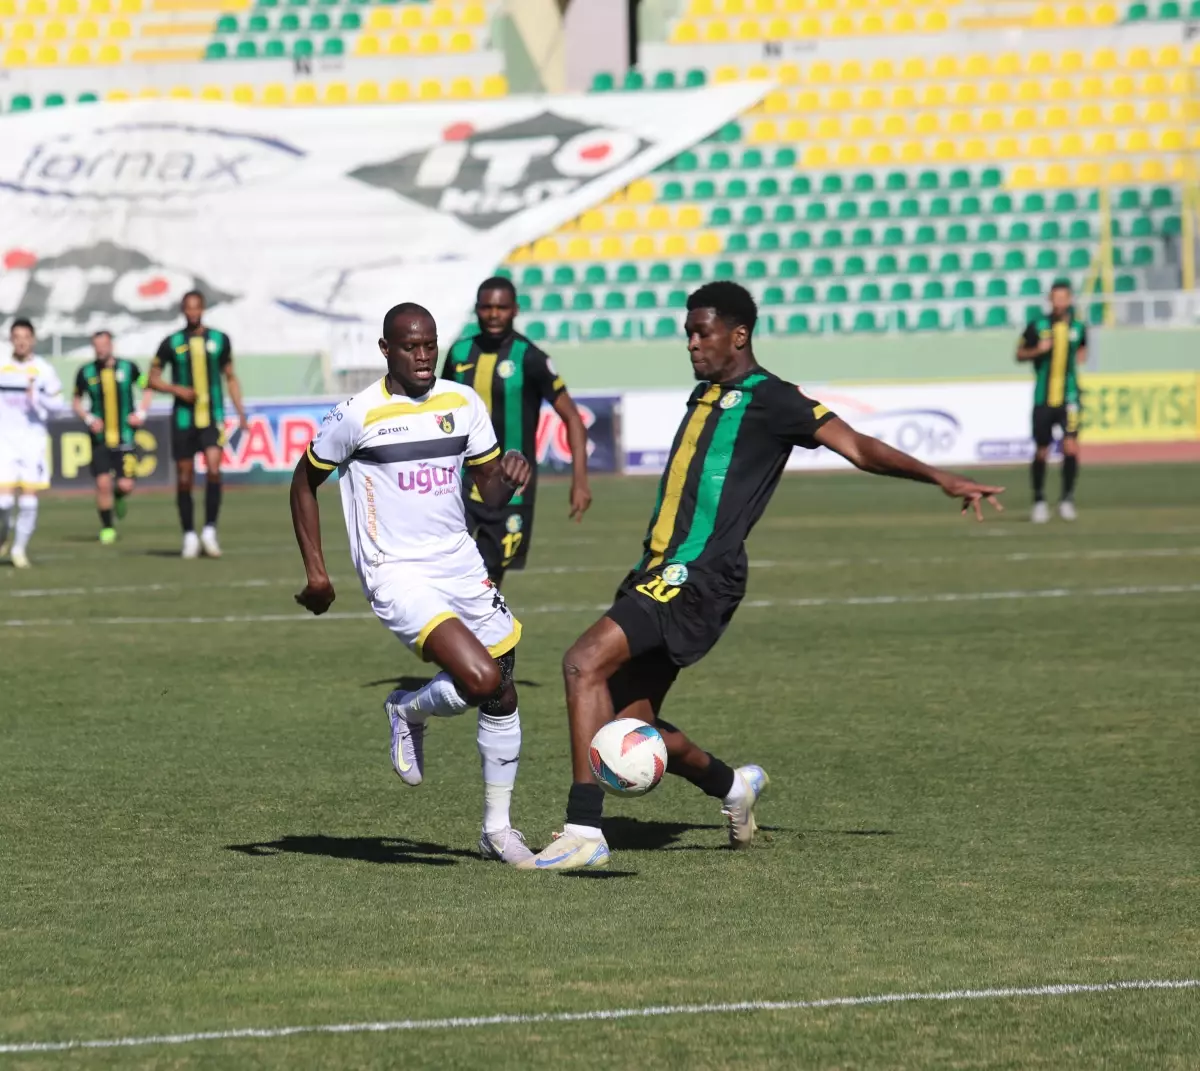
<point>1048,417</point>
<point>119,461</point>
<point>502,535</point>
<point>186,443</point>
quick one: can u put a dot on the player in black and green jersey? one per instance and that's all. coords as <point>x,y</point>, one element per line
<point>108,383</point>
<point>1057,345</point>
<point>513,377</point>
<point>741,425</point>
<point>198,358</point>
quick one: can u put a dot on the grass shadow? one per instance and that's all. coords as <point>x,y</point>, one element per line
<point>387,850</point>
<point>846,832</point>
<point>411,684</point>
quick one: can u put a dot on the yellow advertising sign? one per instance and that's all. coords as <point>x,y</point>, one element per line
<point>1140,407</point>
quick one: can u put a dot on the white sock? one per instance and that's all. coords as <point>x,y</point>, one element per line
<point>590,832</point>
<point>437,699</point>
<point>27,506</point>
<point>7,502</point>
<point>738,792</point>
<point>499,741</point>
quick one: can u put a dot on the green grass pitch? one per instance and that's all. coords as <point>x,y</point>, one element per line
<point>200,829</point>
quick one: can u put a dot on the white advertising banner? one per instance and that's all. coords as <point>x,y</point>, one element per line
<point>304,225</point>
<point>940,423</point>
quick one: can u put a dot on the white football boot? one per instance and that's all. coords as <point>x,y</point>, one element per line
<point>740,814</point>
<point>507,846</point>
<point>1041,513</point>
<point>20,559</point>
<point>208,542</point>
<point>191,545</point>
<point>408,740</point>
<point>1066,510</point>
<point>569,851</point>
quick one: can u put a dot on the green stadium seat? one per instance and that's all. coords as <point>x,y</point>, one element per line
<point>988,232</point>
<point>939,206</point>
<point>864,321</point>
<point>831,322</point>
<point>960,179</point>
<point>349,22</point>
<point>1137,12</point>
<point>981,260</point>
<point>928,180</point>
<point>1143,256</point>
<point>725,270</point>
<point>854,265</point>
<point>1014,260</point>
<point>535,330</point>
<point>627,273</point>
<point>996,288</point>
<point>1049,231</point>
<point>1047,260</point>
<point>752,215</point>
<point>797,324</point>
<point>970,205</point>
<point>847,210</point>
<point>832,238</point>
<point>659,273</point>
<point>332,46</point>
<point>1002,204</point>
<point>704,190</point>
<point>552,302</point>
<point>565,332</point>
<point>246,50</point>
<point>929,320</point>
<point>949,263</point>
<point>297,3</point>
<point>1125,284</point>
<point>614,300</point>
<point>633,80</point>
<point>773,295</point>
<point>719,161</point>
<point>901,291</point>
<point>691,272</point>
<point>685,161</point>
<point>933,290</point>
<point>664,80</point>
<point>896,180</point>
<point>595,275</point>
<point>1128,200</point>
<point>504,273</point>
<point>800,186</point>
<point>1019,231</point>
<point>756,269</point>
<point>672,191</point>
<point>785,157</point>
<point>893,236</point>
<point>837,294</point>
<point>918,264</point>
<point>216,50</point>
<point>533,276</point>
<point>227,24</point>
<point>789,268</point>
<point>996,316</point>
<point>1194,10</point>
<point>695,78</point>
<point>886,264</point>
<point>289,23</point>
<point>909,208</point>
<point>862,236</point>
<point>768,187</point>
<point>720,216</point>
<point>1142,227</point>
<point>804,294</point>
<point>583,301</point>
<point>990,178</point>
<point>1161,197</point>
<point>86,98</point>
<point>600,329</point>
<point>965,317</point>
<point>272,3</point>
<point>53,100</point>
<point>737,243</point>
<point>831,183</point>
<point>864,182</point>
<point>1095,314</point>
<point>869,292</point>
<point>815,211</point>
<point>768,242</point>
<point>274,49</point>
<point>752,159</point>
<point>964,289</point>
<point>677,299</point>
<point>1080,230</point>
<point>1115,228</point>
<point>880,208</point>
<point>258,24</point>
<point>1033,202</point>
<point>1079,259</point>
<point>1170,9</point>
<point>1066,201</point>
<point>736,189</point>
<point>956,234</point>
<point>665,327</point>
<point>785,212</point>
<point>925,234</point>
<point>1031,286</point>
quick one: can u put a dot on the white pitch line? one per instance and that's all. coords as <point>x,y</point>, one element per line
<point>1125,591</point>
<point>601,1015</point>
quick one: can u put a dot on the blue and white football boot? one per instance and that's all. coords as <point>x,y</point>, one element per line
<point>569,851</point>
<point>408,740</point>
<point>740,815</point>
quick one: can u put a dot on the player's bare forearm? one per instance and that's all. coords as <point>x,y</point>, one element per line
<point>306,518</point>
<point>235,395</point>
<point>581,494</point>
<point>499,479</point>
<point>156,382</point>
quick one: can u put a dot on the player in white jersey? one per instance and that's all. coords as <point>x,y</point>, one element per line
<point>399,449</point>
<point>29,392</point>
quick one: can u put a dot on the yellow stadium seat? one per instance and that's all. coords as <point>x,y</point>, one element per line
<point>1075,16</point>
<point>1194,55</point>
<point>86,30</point>
<point>1029,91</point>
<point>839,100</point>
<point>808,100</point>
<point>991,121</point>
<point>716,33</point>
<point>1024,119</point>
<point>904,97</point>
<point>996,93</point>
<point>593,221</point>
<point>977,65</point>
<point>243,94</point>
<point>429,89</point>
<point>1070,62</point>
<point>379,18</point>
<point>912,152</point>
<point>973,150</point>
<point>762,131</point>
<point>180,93</point>
<point>926,123</point>
<point>79,55</point>
<point>749,30</point>
<point>1104,59</point>
<point>862,126</point>
<point>809,26</point>
<point>472,15</point>
<point>965,94</point>
<point>701,9</point>
<point>1173,140</point>
<point>872,24</point>
<point>99,7</point>
<point>1070,145</point>
<point>399,44</point>
<point>1056,175</point>
<point>935,22</point>
<point>1061,89</point>
<point>1123,114</point>
<point>24,31</point>
<point>1008,64</point>
<point>116,95</point>
<point>843,25</point>
<point>108,53</point>
<point>66,9</point>
<point>688,218</point>
<point>881,70</point>
<point>796,130</point>
<point>1156,112</point>
<point>460,42</point>
<point>54,30</point>
<point>913,67</point>
<point>1121,86</point>
<point>674,245</point>
<point>546,249</point>
<point>1039,63</point>
<point>726,74</point>
<point>612,246</point>
<point>640,192</point>
<point>37,9</point>
<point>734,7</point>
<point>441,18</point>
<point>959,122</point>
<point>118,29</point>
<point>707,243</point>
<point>428,44</point>
<point>819,73</point>
<point>1137,141</point>
<point>944,152</point>
<point>274,94</point>
<point>1087,174</point>
<point>903,22</point>
<point>1091,88</point>
<point>1137,59</point>
<point>1044,17</point>
<point>847,155</point>
<point>1167,57</point>
<point>212,93</point>
<point>871,98</point>
<point>879,154</point>
<point>643,246</point>
<point>1022,176</point>
<point>1104,15</point>
<point>1154,84</point>
<point>493,85</point>
<point>933,96</point>
<point>1151,170</point>
<point>366,93</point>
<point>850,71</point>
<point>1056,118</point>
<point>46,56</point>
<point>368,45</point>
<point>1119,171</point>
<point>815,156</point>
<point>15,57</point>
<point>787,74</point>
<point>1181,84</point>
<point>461,88</point>
<point>1103,144</point>
<point>775,102</point>
<point>398,90</point>
<point>1090,115</point>
<point>829,127</point>
<point>134,7</point>
<point>685,32</point>
<point>1006,148</point>
<point>412,16</point>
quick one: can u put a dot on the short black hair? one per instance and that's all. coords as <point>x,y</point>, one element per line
<point>22,322</point>
<point>733,303</point>
<point>102,331</point>
<point>191,293</point>
<point>405,308</point>
<point>497,282</point>
<point>1061,284</point>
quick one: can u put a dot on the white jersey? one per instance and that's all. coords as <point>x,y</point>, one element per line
<point>30,391</point>
<point>400,462</point>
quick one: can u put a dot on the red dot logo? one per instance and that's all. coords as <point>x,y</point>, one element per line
<point>458,132</point>
<point>154,287</point>
<point>596,152</point>
<point>16,259</point>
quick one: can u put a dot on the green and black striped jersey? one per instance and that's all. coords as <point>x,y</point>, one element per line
<point>197,361</point>
<point>109,388</point>
<point>513,379</point>
<point>1057,378</point>
<point>724,465</point>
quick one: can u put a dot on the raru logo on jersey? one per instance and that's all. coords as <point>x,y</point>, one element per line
<point>485,176</point>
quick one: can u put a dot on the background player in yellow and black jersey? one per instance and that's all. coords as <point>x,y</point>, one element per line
<point>1056,344</point>
<point>107,384</point>
<point>198,358</point>
<point>513,377</point>
<point>741,425</point>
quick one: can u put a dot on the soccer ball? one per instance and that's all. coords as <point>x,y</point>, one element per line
<point>628,757</point>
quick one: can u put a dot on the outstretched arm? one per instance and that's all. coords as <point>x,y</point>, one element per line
<point>501,477</point>
<point>872,455</point>
<point>581,494</point>
<point>318,594</point>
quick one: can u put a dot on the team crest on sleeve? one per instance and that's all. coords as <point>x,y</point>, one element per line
<point>445,421</point>
<point>505,369</point>
<point>675,574</point>
<point>513,523</point>
<point>731,399</point>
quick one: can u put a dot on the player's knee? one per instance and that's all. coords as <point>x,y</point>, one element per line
<point>125,485</point>
<point>581,664</point>
<point>481,682</point>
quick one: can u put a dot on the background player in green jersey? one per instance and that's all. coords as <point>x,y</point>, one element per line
<point>741,425</point>
<point>1056,344</point>
<point>107,382</point>
<point>513,377</point>
<point>198,357</point>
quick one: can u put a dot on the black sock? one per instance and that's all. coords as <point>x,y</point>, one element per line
<point>118,493</point>
<point>716,781</point>
<point>1069,473</point>
<point>212,502</point>
<point>106,520</point>
<point>585,805</point>
<point>187,511</point>
<point>1039,480</point>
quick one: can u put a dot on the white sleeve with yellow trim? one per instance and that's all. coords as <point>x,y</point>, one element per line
<point>481,436</point>
<point>336,439</point>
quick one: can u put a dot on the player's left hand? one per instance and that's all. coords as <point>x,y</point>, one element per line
<point>972,493</point>
<point>317,597</point>
<point>581,499</point>
<point>243,423</point>
<point>136,420</point>
<point>515,471</point>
